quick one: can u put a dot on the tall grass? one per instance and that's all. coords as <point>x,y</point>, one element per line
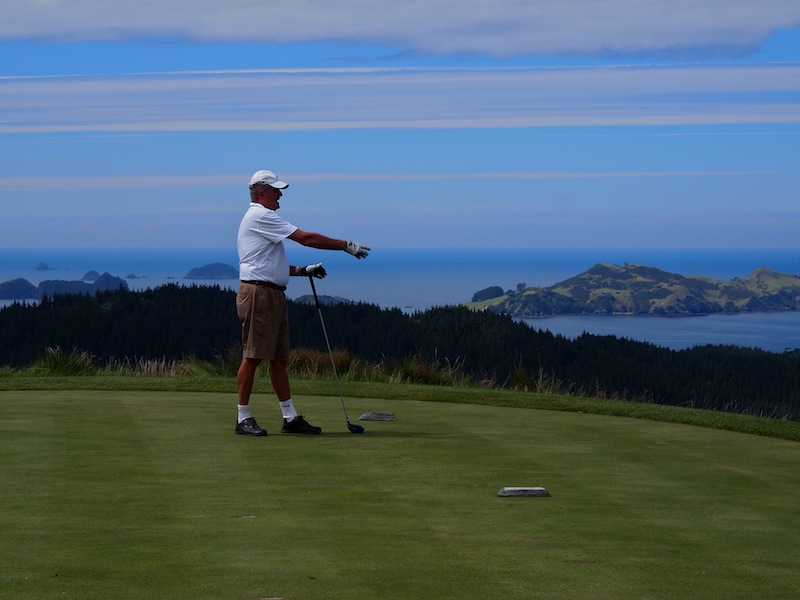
<point>56,361</point>
<point>303,363</point>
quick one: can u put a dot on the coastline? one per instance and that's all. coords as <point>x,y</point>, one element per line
<point>418,279</point>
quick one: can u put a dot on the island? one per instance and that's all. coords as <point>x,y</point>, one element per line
<point>213,271</point>
<point>641,290</point>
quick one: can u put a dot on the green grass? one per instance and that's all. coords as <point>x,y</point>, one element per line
<point>461,394</point>
<point>111,493</point>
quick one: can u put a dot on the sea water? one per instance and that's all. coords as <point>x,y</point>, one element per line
<point>420,278</point>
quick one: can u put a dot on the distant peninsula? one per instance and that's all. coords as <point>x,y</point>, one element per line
<point>22,289</point>
<point>609,289</point>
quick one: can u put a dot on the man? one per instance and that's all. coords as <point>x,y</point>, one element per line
<point>264,272</point>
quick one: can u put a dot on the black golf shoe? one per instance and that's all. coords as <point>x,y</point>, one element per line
<point>299,425</point>
<point>249,427</point>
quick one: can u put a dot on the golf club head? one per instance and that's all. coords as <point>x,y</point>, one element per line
<point>355,428</point>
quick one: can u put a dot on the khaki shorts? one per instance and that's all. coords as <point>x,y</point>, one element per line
<point>265,322</point>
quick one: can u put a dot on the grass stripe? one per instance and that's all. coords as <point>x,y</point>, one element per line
<point>131,494</point>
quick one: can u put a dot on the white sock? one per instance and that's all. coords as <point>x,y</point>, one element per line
<point>244,412</point>
<point>287,408</point>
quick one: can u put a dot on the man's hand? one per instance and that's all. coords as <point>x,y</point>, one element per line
<point>357,250</point>
<point>316,270</point>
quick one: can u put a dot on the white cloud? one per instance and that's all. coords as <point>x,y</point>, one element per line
<point>499,28</point>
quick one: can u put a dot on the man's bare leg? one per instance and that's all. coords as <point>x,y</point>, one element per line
<point>279,377</point>
<point>245,378</point>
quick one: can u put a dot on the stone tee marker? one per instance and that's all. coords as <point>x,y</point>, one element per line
<point>377,416</point>
<point>523,491</point>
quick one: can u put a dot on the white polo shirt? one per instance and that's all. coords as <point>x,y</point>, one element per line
<point>260,244</point>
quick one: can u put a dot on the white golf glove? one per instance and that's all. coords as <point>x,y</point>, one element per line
<point>357,250</point>
<point>316,270</point>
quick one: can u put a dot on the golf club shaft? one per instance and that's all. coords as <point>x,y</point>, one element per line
<point>328,344</point>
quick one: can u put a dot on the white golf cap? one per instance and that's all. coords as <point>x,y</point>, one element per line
<point>267,178</point>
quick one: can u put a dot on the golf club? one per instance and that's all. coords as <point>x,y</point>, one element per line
<point>353,427</point>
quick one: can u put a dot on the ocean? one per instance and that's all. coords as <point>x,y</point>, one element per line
<point>419,278</point>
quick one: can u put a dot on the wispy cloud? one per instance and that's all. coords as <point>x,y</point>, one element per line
<point>307,100</point>
<point>39,184</point>
<point>499,28</point>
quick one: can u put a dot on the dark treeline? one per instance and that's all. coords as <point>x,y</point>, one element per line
<point>175,321</point>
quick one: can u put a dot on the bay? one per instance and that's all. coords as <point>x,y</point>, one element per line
<point>774,332</point>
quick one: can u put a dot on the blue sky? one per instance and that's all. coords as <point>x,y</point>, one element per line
<point>591,123</point>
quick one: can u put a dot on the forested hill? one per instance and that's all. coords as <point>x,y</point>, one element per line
<point>174,322</point>
<point>642,290</point>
